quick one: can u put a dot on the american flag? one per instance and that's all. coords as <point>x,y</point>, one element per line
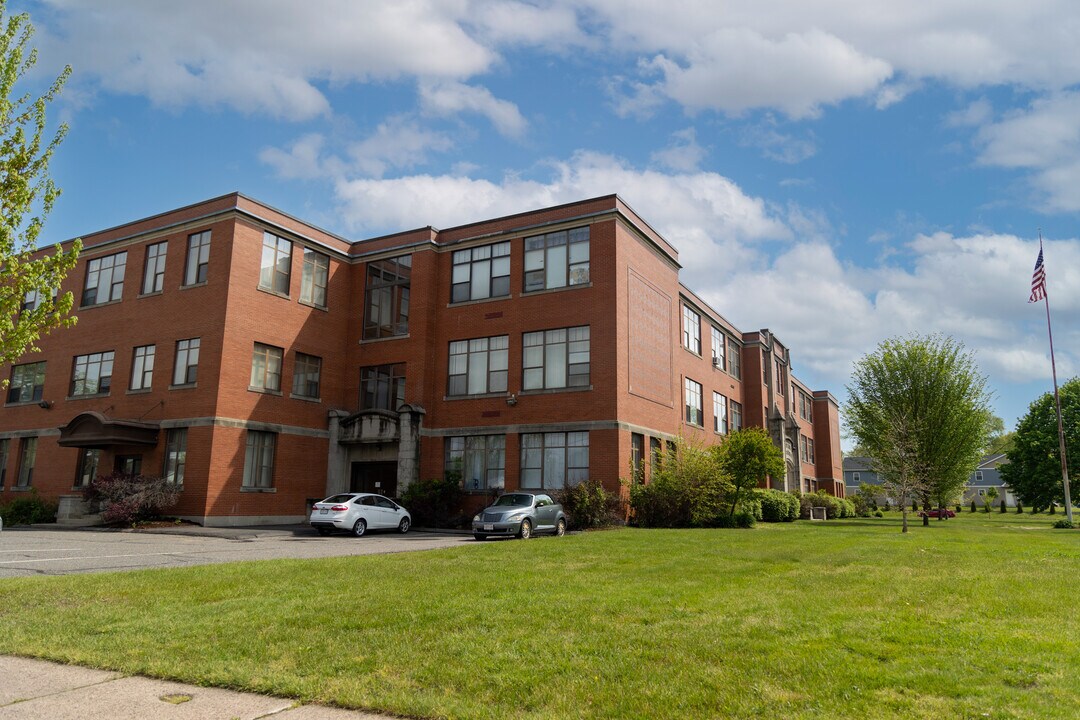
<point>1038,279</point>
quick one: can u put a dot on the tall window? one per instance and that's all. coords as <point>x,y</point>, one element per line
<point>734,359</point>
<point>198,258</point>
<point>382,387</point>
<point>810,449</point>
<point>27,382</point>
<point>637,457</point>
<point>104,279</point>
<point>92,374</point>
<point>33,298</point>
<point>806,407</point>
<point>481,460</point>
<point>86,468</point>
<point>719,358</point>
<point>691,330</point>
<point>3,461</point>
<point>186,368</point>
<point>266,368</point>
<point>478,366</point>
<point>736,416</point>
<point>481,272</point>
<point>693,402</point>
<point>557,259</point>
<point>175,455</point>
<point>386,297</point>
<point>276,266</point>
<point>142,367</point>
<point>259,459</point>
<point>556,358</point>
<point>154,272</point>
<point>306,376</point>
<point>720,413</point>
<point>314,278</point>
<point>554,460</point>
<point>27,458</point>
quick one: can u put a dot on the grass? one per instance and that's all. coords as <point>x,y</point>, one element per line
<point>968,618</point>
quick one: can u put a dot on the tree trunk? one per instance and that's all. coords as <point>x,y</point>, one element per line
<point>905,511</point>
<point>735,502</point>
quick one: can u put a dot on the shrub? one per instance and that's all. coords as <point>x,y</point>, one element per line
<point>832,504</point>
<point>741,519</point>
<point>28,510</point>
<point>126,498</point>
<point>973,507</point>
<point>590,505</point>
<point>1003,508</point>
<point>878,513</point>
<point>959,508</point>
<point>1019,508</point>
<point>778,506</point>
<point>687,489</point>
<point>1064,524</point>
<point>435,502</point>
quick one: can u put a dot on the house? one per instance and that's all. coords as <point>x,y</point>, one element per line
<point>259,362</point>
<point>858,470</point>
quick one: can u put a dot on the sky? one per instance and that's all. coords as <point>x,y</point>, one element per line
<point>838,171</point>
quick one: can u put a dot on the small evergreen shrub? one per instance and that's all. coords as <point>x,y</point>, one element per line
<point>435,502</point>
<point>974,508</point>
<point>878,513</point>
<point>589,505</point>
<point>959,508</point>
<point>126,499</point>
<point>29,510</point>
<point>1003,508</point>
<point>1019,508</point>
<point>778,506</point>
<point>1064,524</point>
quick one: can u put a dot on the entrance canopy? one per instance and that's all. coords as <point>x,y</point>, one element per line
<point>94,430</point>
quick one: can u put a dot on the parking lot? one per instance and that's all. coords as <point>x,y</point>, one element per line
<point>51,551</point>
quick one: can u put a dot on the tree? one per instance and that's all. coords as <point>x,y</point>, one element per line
<point>746,459</point>
<point>991,496</point>
<point>999,441</point>
<point>1034,468</point>
<point>27,195</point>
<point>919,408</point>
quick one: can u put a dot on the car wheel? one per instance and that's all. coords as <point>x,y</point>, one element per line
<point>323,531</point>
<point>560,528</point>
<point>525,532</point>
<point>404,525</point>
<point>360,527</point>
<point>479,537</point>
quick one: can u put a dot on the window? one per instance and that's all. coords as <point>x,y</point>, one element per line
<point>478,366</point>
<point>198,258</point>
<point>142,367</point>
<point>92,374</point>
<point>720,415</point>
<point>982,491</point>
<point>175,456</point>
<point>736,416</point>
<point>3,461</point>
<point>481,460</point>
<point>655,453</point>
<point>382,387</point>
<point>806,407</point>
<point>259,460</point>
<point>266,368</point>
<point>803,453</point>
<point>691,330</point>
<point>810,449</point>
<point>386,297</point>
<point>978,476</point>
<point>87,467</point>
<point>557,259</point>
<point>27,383</point>
<point>104,279</point>
<point>781,383</point>
<point>314,278</point>
<point>718,342</point>
<point>306,375</point>
<point>556,358</point>
<point>33,298</point>
<point>855,478</point>
<point>734,359</point>
<point>186,369</point>
<point>554,460</point>
<point>128,464</point>
<point>637,457</point>
<point>154,272</point>
<point>276,266</point>
<point>693,402</point>
<point>481,272</point>
<point>27,457</point>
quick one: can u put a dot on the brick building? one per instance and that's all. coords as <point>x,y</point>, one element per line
<point>260,362</point>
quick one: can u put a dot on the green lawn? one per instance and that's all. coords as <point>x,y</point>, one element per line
<point>968,618</point>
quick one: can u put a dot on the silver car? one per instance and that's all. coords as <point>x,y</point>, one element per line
<point>520,514</point>
<point>357,513</point>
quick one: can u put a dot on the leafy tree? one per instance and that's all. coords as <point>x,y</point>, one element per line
<point>991,496</point>
<point>687,488</point>
<point>918,407</point>
<point>999,441</point>
<point>746,459</point>
<point>27,195</point>
<point>1034,468</point>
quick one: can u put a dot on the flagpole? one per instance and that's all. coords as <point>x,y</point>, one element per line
<point>1057,403</point>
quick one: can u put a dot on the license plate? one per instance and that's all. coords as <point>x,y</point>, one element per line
<point>323,511</point>
<point>489,526</point>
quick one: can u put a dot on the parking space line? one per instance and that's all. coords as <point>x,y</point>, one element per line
<point>86,557</point>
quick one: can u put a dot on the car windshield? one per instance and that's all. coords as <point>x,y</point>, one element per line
<point>507,500</point>
<point>338,499</point>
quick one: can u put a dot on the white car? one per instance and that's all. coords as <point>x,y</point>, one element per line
<point>357,513</point>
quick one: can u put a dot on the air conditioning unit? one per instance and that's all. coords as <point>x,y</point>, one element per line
<point>716,362</point>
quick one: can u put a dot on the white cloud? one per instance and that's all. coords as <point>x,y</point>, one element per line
<point>778,146</point>
<point>683,154</point>
<point>975,114</point>
<point>452,98</point>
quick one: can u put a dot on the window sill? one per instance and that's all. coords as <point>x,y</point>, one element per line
<point>693,352</point>
<point>101,304</point>
<point>139,391</point>
<point>150,294</point>
<point>305,398</point>
<point>313,306</point>
<point>204,283</point>
<point>479,301</point>
<point>478,396</point>
<point>22,403</point>
<point>258,490</point>
<point>365,341</point>
<point>526,293</point>
<point>184,386</point>
<point>275,293</point>
<point>87,397</point>
<point>550,391</point>
<point>21,488</point>
<point>264,391</point>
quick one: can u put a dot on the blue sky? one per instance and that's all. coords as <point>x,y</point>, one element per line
<point>837,171</point>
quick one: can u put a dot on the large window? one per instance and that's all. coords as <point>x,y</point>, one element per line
<point>481,272</point>
<point>806,407</point>
<point>154,272</point>
<point>313,280</point>
<point>86,468</point>
<point>186,368</point>
<point>306,374</point>
<point>481,460</point>
<point>386,297</point>
<point>382,387</point>
<point>637,457</point>
<point>478,366</point>
<point>27,458</point>
<point>720,413</point>
<point>736,416</point>
<point>142,367</point>
<point>693,402</point>
<point>33,298</point>
<point>556,358</point>
<point>734,359</point>
<point>276,267</point>
<point>27,383</point>
<point>92,374</point>
<point>719,357</point>
<point>691,330</point>
<point>557,259</point>
<point>3,461</point>
<point>259,459</point>
<point>175,455</point>
<point>266,368</point>
<point>554,460</point>
<point>198,258</point>
<point>104,279</point>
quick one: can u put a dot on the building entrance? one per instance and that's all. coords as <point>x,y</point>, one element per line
<point>374,477</point>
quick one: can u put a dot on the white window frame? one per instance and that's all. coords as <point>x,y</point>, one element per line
<point>266,361</point>
<point>692,392</point>
<point>720,413</point>
<point>154,268</point>
<point>691,329</point>
<point>314,278</point>
<point>197,264</point>
<point>142,367</point>
<point>275,267</point>
<point>104,273</point>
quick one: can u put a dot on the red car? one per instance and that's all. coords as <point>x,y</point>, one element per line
<point>937,512</point>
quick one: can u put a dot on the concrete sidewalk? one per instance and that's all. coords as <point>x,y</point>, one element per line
<point>40,690</point>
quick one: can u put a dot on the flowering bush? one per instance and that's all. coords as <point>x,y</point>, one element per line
<point>125,498</point>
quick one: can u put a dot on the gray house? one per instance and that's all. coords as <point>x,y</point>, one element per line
<point>858,470</point>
